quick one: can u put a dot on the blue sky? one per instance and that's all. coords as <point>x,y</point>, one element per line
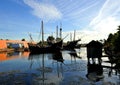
<point>92,19</point>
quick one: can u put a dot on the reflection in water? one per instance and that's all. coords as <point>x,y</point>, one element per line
<point>54,69</point>
<point>112,69</point>
<point>58,57</point>
<point>48,75</point>
<point>10,68</point>
<point>74,55</point>
<point>95,72</point>
<point>12,55</point>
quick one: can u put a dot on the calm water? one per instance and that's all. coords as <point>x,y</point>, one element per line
<point>65,68</point>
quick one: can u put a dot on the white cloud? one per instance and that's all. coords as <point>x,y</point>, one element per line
<point>85,35</point>
<point>105,22</point>
<point>107,25</point>
<point>43,10</point>
<point>92,35</point>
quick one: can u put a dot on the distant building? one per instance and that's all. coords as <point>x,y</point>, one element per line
<point>4,44</point>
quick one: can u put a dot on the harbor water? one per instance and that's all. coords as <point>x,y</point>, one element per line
<point>64,68</point>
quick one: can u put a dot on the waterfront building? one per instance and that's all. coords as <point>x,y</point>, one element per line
<point>15,44</point>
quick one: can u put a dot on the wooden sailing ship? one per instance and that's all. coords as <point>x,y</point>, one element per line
<point>71,45</point>
<point>54,47</point>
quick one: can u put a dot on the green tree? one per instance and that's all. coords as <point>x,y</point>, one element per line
<point>113,41</point>
<point>50,40</point>
<point>109,41</point>
<point>23,39</point>
<point>117,41</point>
<point>58,39</point>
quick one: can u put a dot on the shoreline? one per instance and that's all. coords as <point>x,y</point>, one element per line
<point>13,50</point>
<point>6,50</point>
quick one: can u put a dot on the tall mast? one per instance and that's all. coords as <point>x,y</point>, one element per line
<point>31,39</point>
<point>61,31</point>
<point>42,33</point>
<point>70,36</point>
<point>74,34</point>
<point>56,31</point>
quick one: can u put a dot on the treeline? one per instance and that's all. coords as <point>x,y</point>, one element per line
<point>113,42</point>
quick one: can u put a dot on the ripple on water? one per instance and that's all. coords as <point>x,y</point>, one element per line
<point>75,67</point>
